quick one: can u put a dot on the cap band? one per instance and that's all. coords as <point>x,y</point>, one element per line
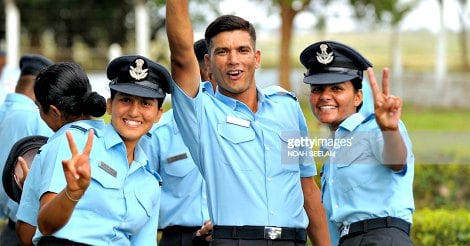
<point>342,70</point>
<point>144,83</point>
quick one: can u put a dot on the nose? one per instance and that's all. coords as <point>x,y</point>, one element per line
<point>133,109</point>
<point>233,58</point>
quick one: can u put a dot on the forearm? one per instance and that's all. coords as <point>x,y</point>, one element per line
<point>25,232</point>
<point>56,210</point>
<point>184,65</point>
<point>317,228</point>
<point>395,153</point>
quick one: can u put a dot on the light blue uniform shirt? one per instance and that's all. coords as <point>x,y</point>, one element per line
<point>50,154</point>
<point>355,183</point>
<point>21,120</point>
<point>239,155</point>
<point>120,207</point>
<point>184,200</point>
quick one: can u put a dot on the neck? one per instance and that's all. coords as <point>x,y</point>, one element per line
<point>248,97</point>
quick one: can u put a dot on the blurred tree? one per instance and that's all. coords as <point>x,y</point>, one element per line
<point>464,15</point>
<point>390,12</point>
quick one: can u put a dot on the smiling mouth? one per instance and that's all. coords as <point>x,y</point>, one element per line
<point>132,122</point>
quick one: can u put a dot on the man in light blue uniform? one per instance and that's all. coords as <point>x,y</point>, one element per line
<point>367,195</point>
<point>21,119</point>
<point>236,137</point>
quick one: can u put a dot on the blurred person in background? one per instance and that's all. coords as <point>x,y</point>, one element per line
<point>183,207</point>
<point>22,118</point>
<point>8,76</point>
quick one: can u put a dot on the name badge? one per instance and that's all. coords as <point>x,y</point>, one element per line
<point>177,157</point>
<point>108,169</point>
<point>238,121</point>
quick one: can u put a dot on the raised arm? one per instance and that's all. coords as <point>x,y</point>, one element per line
<point>184,65</point>
<point>56,209</point>
<point>387,113</point>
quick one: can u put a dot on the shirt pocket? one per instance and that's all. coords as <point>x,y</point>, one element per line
<point>147,201</point>
<point>180,177</point>
<point>104,175</point>
<point>237,140</point>
<point>291,155</point>
<point>351,171</point>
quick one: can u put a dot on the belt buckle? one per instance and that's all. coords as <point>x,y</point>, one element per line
<point>345,230</point>
<point>272,233</point>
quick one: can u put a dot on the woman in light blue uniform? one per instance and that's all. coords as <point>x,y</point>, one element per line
<point>63,94</point>
<point>367,179</point>
<point>110,195</point>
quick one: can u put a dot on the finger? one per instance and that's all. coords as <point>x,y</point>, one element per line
<point>23,165</point>
<point>385,82</point>
<point>69,167</point>
<point>373,83</point>
<point>89,143</point>
<point>72,145</point>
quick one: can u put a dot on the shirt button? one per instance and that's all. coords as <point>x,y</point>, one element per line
<point>269,179</point>
<point>267,148</point>
<point>271,212</point>
<point>336,206</point>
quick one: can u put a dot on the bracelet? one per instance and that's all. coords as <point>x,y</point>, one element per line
<point>69,197</point>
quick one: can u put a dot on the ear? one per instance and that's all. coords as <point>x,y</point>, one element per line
<point>109,106</point>
<point>358,98</point>
<point>257,58</point>
<point>159,115</point>
<point>55,112</point>
<point>207,63</point>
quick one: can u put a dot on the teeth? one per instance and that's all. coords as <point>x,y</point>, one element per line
<point>327,107</point>
<point>133,122</point>
<point>234,72</point>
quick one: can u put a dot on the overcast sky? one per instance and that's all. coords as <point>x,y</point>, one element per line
<point>424,16</point>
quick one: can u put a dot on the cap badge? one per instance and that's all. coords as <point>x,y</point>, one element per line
<point>324,57</point>
<point>137,72</point>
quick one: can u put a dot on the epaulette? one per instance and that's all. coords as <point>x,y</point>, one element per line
<point>80,128</point>
<point>277,90</point>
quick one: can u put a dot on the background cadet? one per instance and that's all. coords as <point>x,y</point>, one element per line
<point>66,101</point>
<point>367,185</point>
<point>235,136</point>
<point>8,76</point>
<point>116,168</point>
<point>183,207</point>
<point>22,119</point>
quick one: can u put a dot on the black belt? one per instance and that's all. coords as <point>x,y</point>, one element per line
<point>179,229</point>
<point>55,241</point>
<point>364,226</point>
<point>259,232</point>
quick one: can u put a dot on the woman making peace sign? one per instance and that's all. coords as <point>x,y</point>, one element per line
<point>367,179</point>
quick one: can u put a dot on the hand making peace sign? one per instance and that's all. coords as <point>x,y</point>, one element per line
<point>77,169</point>
<point>387,107</point>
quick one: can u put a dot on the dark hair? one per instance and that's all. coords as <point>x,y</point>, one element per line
<point>159,100</point>
<point>66,86</point>
<point>226,23</point>
<point>200,48</point>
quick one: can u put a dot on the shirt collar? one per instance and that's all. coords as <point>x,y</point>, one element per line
<point>352,122</point>
<point>233,103</point>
